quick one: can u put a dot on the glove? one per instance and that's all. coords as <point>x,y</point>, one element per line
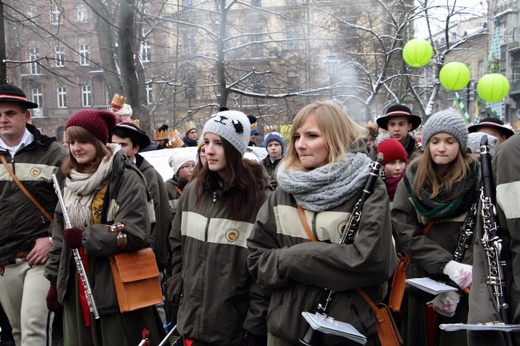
<point>52,298</point>
<point>256,340</point>
<point>459,273</point>
<point>445,303</point>
<point>72,237</point>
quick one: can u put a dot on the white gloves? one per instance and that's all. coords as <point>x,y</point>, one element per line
<point>459,273</point>
<point>445,303</point>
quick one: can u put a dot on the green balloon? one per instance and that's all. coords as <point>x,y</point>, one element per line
<point>454,76</point>
<point>417,52</point>
<point>493,87</point>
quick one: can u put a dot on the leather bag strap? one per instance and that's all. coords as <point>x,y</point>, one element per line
<point>305,224</point>
<point>27,193</point>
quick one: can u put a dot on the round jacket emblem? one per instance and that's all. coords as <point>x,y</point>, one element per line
<point>232,234</point>
<point>35,172</point>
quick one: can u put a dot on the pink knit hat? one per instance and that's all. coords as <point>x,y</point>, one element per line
<point>99,123</point>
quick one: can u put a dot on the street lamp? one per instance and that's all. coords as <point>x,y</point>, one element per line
<point>331,65</point>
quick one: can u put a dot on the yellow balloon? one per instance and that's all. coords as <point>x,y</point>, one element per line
<point>493,87</point>
<point>417,52</point>
<point>454,76</point>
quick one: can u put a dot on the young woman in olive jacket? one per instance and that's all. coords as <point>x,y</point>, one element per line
<point>324,172</point>
<point>439,189</point>
<point>218,302</point>
<point>102,188</point>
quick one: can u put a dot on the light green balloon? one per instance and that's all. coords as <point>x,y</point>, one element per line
<point>417,52</point>
<point>493,87</point>
<point>454,76</point>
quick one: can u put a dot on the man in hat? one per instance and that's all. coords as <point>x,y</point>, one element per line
<point>274,144</point>
<point>25,236</point>
<point>495,127</point>
<point>399,121</point>
<point>190,134</point>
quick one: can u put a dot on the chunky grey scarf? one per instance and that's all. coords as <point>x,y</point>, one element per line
<point>327,186</point>
<point>84,187</point>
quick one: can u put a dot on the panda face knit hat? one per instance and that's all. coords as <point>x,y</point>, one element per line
<point>447,121</point>
<point>99,123</point>
<point>233,126</point>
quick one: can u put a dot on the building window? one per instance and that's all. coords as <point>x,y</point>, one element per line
<point>189,44</point>
<point>256,3</point>
<point>86,96</point>
<point>55,15</point>
<point>34,57</point>
<point>290,2</point>
<point>293,81</point>
<point>59,56</point>
<point>37,96</point>
<point>480,69</point>
<point>257,50</point>
<point>146,51</point>
<point>348,31</point>
<point>62,97</point>
<point>293,37</point>
<point>149,94</point>
<point>81,13</point>
<point>84,55</point>
<point>189,88</point>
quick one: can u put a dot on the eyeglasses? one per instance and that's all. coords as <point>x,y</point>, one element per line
<point>189,166</point>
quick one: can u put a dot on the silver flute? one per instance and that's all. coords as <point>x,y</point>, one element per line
<point>77,257</point>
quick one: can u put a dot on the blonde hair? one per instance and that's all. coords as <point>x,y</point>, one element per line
<point>427,175</point>
<point>339,131</point>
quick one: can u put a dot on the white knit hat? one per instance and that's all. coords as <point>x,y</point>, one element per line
<point>448,121</point>
<point>233,126</point>
<point>180,156</point>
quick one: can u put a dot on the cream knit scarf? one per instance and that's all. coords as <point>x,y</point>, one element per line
<point>84,187</point>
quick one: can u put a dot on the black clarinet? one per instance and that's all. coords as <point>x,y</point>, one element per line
<point>491,242</point>
<point>348,236</point>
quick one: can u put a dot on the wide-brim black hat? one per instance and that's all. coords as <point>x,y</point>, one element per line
<point>11,93</point>
<point>492,122</point>
<point>399,111</point>
<point>132,130</point>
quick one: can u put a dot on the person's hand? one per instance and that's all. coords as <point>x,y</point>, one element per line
<point>459,273</point>
<point>256,340</point>
<point>445,303</point>
<point>72,237</point>
<point>39,254</point>
<point>52,297</point>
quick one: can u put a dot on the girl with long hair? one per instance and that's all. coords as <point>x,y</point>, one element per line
<point>431,205</point>
<point>218,302</point>
<point>102,188</point>
<point>320,180</point>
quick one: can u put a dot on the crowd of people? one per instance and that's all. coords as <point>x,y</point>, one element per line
<point>244,247</point>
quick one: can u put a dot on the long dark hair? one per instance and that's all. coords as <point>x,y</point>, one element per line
<point>240,183</point>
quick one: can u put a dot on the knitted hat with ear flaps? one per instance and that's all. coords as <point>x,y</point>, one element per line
<point>233,126</point>
<point>99,123</point>
<point>447,121</point>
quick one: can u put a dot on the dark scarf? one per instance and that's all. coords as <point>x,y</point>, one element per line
<point>190,142</point>
<point>447,203</point>
<point>391,185</point>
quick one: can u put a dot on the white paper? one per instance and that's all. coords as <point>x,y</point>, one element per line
<point>328,325</point>
<point>430,286</point>
<point>492,326</point>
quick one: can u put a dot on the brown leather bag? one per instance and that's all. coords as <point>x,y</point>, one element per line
<point>387,331</point>
<point>136,279</point>
<point>399,278</point>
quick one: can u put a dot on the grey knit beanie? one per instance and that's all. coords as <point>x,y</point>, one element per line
<point>448,121</point>
<point>474,139</point>
<point>233,126</point>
